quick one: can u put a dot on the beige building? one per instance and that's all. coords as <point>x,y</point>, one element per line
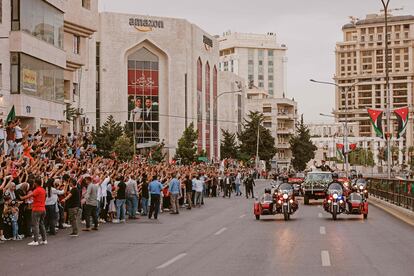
<point>44,46</point>
<point>258,58</point>
<point>360,59</point>
<point>158,74</point>
<point>280,118</point>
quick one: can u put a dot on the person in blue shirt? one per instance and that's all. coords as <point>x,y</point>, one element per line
<point>175,191</point>
<point>154,188</point>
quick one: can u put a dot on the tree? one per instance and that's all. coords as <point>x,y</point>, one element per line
<point>228,147</point>
<point>123,147</point>
<point>105,136</point>
<point>71,113</point>
<point>361,156</point>
<point>248,139</point>
<point>303,150</point>
<point>157,153</point>
<point>187,147</point>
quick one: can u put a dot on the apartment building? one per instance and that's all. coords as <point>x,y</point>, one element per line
<point>257,58</point>
<point>44,46</point>
<point>360,60</point>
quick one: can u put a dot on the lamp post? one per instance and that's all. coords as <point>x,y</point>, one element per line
<point>333,136</point>
<point>385,4</point>
<point>345,90</point>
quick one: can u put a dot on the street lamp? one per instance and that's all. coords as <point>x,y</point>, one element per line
<point>385,4</point>
<point>333,136</point>
<point>345,90</point>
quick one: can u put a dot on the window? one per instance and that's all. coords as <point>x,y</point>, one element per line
<point>1,74</point>
<point>37,78</point>
<point>207,109</point>
<point>267,124</point>
<point>76,44</point>
<point>270,53</point>
<point>267,109</point>
<point>39,19</point>
<point>86,4</point>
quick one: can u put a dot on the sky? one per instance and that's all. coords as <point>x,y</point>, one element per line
<point>309,28</point>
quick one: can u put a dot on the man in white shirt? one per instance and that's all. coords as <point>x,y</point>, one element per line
<point>198,183</point>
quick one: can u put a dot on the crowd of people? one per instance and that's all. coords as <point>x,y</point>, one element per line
<point>52,183</point>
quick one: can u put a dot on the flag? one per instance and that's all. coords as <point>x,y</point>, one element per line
<point>376,120</point>
<point>11,116</point>
<point>352,147</point>
<point>340,150</point>
<point>402,117</point>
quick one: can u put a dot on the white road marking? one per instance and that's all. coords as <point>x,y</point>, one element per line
<point>173,260</point>
<point>326,261</point>
<point>220,231</point>
<point>322,230</point>
<point>320,215</point>
<point>242,216</point>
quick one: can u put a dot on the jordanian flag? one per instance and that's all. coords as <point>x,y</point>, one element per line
<point>376,120</point>
<point>402,117</point>
<point>340,150</point>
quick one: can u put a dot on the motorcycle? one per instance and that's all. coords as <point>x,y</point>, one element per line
<point>281,201</point>
<point>334,202</point>
<point>357,202</point>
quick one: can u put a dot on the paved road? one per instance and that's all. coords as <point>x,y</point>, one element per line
<point>223,238</point>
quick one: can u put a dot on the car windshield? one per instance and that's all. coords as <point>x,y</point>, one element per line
<point>335,188</point>
<point>355,197</point>
<point>285,187</point>
<point>361,182</point>
<point>319,177</point>
<point>300,175</point>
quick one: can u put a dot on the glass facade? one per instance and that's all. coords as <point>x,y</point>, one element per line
<point>39,19</point>
<point>207,130</point>
<point>143,95</point>
<point>215,125</point>
<point>199,105</point>
<point>36,78</point>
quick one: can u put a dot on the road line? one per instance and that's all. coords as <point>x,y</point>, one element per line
<point>322,230</point>
<point>326,261</point>
<point>173,260</point>
<point>242,216</point>
<point>320,215</point>
<point>220,231</point>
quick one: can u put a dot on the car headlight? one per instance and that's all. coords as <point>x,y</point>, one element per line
<point>335,196</point>
<point>285,196</point>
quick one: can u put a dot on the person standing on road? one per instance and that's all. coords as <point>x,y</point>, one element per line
<point>227,185</point>
<point>198,191</point>
<point>249,183</point>
<point>188,191</point>
<point>144,195</point>
<point>238,183</point>
<point>38,212</point>
<point>175,191</point>
<point>73,205</point>
<point>154,189</point>
<point>91,204</point>
<point>132,197</point>
<point>120,201</point>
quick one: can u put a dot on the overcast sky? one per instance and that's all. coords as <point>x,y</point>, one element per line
<point>310,29</point>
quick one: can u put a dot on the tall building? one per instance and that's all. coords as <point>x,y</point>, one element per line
<point>257,58</point>
<point>158,75</point>
<point>280,116</point>
<point>360,58</point>
<point>44,49</point>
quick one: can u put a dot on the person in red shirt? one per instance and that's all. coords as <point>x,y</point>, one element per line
<point>38,212</point>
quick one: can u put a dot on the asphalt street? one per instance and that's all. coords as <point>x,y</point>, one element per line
<point>223,238</point>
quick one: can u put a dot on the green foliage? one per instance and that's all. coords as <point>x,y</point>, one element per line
<point>105,137</point>
<point>248,139</point>
<point>360,156</point>
<point>303,150</point>
<point>70,112</point>
<point>123,147</point>
<point>187,146</point>
<point>228,147</point>
<point>157,153</point>
<point>383,154</point>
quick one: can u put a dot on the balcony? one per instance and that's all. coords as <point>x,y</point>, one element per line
<point>283,130</point>
<point>283,145</point>
<point>79,20</point>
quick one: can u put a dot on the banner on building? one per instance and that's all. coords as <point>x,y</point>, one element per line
<point>376,120</point>
<point>402,118</point>
<point>29,80</point>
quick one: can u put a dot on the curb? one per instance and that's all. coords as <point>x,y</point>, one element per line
<point>398,212</point>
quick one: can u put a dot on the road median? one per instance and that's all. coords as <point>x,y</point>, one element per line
<point>398,212</point>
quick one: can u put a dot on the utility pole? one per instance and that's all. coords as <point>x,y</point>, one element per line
<point>385,4</point>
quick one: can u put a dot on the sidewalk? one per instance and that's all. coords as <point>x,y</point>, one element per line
<point>400,213</point>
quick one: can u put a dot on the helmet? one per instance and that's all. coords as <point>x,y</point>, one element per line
<point>334,176</point>
<point>285,179</point>
<point>268,191</point>
<point>360,175</point>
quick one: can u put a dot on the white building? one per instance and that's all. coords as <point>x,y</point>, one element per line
<point>257,58</point>
<point>280,118</point>
<point>161,73</point>
<point>44,47</point>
